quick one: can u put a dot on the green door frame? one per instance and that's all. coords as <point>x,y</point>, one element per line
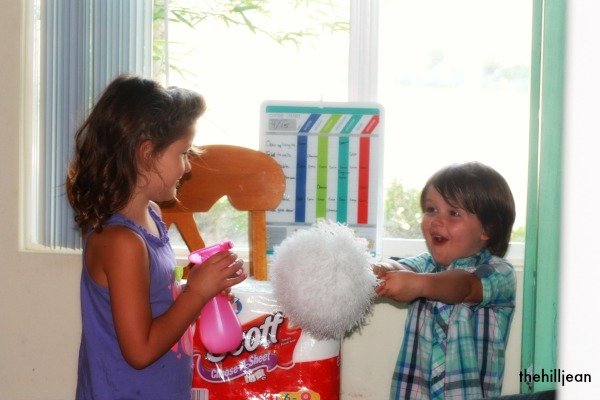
<point>541,272</point>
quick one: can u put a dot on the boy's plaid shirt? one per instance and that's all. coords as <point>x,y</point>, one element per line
<point>457,351</point>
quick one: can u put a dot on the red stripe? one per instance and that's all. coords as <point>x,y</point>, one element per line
<point>364,160</point>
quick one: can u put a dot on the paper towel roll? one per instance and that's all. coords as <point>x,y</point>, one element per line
<point>274,360</point>
<point>255,298</point>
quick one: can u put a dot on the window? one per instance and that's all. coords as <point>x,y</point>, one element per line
<point>455,83</point>
<point>453,79</point>
<point>239,59</point>
<point>79,47</point>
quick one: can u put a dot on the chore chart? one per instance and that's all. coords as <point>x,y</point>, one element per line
<point>331,155</point>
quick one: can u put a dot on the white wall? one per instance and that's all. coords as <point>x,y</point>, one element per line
<point>39,309</point>
<point>580,254</point>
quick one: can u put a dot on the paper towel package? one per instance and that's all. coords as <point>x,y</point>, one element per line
<point>274,361</point>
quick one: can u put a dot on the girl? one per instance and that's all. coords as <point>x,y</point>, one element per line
<point>461,293</point>
<point>130,154</point>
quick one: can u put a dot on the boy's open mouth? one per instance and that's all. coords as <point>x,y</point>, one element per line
<point>438,239</point>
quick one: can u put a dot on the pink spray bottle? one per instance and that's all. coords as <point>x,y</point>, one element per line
<point>220,329</point>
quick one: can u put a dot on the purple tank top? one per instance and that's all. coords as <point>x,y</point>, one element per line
<point>103,373</point>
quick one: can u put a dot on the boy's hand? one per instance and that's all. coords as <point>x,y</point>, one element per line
<point>380,268</point>
<point>400,285</point>
<point>450,287</point>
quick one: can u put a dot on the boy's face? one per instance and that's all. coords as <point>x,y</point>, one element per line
<point>450,232</point>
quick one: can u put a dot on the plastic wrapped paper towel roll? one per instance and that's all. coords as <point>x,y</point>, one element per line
<point>275,358</point>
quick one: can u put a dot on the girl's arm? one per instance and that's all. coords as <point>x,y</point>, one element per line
<point>119,257</point>
<point>451,287</point>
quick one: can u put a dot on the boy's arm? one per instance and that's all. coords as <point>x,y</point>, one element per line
<point>451,287</point>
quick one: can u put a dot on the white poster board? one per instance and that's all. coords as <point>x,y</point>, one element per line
<point>331,155</point>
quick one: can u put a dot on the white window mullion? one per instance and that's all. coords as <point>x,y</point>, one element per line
<point>363,57</point>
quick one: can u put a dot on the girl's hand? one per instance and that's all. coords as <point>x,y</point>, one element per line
<point>217,274</point>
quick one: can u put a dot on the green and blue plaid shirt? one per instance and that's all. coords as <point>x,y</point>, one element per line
<point>457,351</point>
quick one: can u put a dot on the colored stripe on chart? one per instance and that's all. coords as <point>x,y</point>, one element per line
<point>352,121</point>
<point>343,160</point>
<point>364,160</point>
<point>321,110</point>
<point>301,160</point>
<point>323,165</point>
<point>343,168</point>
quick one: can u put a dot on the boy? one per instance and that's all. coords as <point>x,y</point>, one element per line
<point>461,293</point>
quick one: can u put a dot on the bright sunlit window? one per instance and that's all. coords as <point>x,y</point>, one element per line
<point>453,77</point>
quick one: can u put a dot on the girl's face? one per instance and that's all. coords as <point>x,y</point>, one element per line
<point>450,232</point>
<point>169,166</point>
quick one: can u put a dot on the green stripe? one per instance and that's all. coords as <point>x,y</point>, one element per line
<point>330,124</point>
<point>322,165</point>
<point>322,161</point>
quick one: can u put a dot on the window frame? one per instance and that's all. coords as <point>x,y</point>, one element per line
<point>362,86</point>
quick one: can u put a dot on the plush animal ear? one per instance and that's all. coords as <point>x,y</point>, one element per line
<point>323,280</point>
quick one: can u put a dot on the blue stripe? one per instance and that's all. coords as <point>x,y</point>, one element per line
<point>300,212</point>
<point>310,121</point>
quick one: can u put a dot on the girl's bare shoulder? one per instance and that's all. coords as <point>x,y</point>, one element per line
<point>115,243</point>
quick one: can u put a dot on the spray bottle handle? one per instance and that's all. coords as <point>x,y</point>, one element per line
<point>200,255</point>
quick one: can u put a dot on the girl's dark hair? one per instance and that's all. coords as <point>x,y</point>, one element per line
<point>482,191</point>
<point>104,168</point>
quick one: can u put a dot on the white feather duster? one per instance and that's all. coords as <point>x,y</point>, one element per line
<point>323,280</point>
